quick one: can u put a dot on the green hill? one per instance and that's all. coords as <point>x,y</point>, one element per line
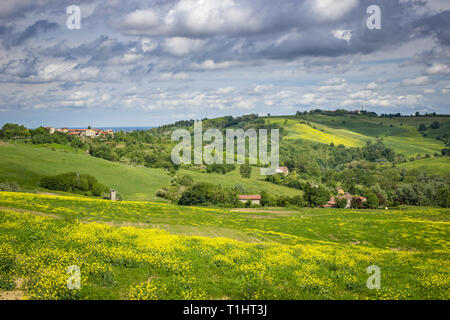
<point>398,133</point>
<point>440,166</point>
<point>26,164</point>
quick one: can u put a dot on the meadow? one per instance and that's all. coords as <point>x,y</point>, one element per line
<point>440,166</point>
<point>400,134</point>
<point>26,164</point>
<point>143,250</point>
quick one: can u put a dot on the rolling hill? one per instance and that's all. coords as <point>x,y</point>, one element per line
<point>27,163</point>
<point>398,133</point>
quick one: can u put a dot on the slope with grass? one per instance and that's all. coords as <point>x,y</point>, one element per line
<point>439,166</point>
<point>26,164</point>
<point>399,133</point>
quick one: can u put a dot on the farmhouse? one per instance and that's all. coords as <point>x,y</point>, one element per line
<point>344,195</point>
<point>331,203</point>
<point>254,199</point>
<point>50,130</point>
<point>283,170</point>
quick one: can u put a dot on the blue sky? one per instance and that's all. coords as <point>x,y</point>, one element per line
<point>146,63</point>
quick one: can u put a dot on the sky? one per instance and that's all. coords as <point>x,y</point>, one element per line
<point>147,63</point>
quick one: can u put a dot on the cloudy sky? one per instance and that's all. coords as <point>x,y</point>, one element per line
<point>145,63</point>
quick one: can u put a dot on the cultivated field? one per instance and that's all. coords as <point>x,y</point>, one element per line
<point>142,250</point>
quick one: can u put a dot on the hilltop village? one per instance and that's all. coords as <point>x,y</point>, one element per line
<point>89,133</point>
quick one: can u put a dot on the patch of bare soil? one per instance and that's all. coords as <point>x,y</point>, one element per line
<point>260,211</point>
<point>46,193</point>
<point>38,213</point>
<point>356,242</point>
<point>16,294</point>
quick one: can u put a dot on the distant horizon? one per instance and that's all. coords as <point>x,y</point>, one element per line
<point>127,126</point>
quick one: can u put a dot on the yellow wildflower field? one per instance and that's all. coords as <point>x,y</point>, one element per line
<point>122,256</point>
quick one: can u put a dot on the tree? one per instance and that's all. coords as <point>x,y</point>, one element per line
<point>372,201</point>
<point>315,196</point>
<point>435,125</point>
<point>268,200</point>
<point>422,127</point>
<point>443,198</point>
<point>245,170</point>
<point>356,203</point>
<point>341,203</point>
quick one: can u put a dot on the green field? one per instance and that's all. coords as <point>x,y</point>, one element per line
<point>440,166</point>
<point>141,250</point>
<point>401,134</point>
<point>26,164</point>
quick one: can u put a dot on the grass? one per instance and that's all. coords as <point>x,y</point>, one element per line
<point>125,251</point>
<point>401,134</point>
<point>313,132</point>
<point>26,164</point>
<point>439,166</point>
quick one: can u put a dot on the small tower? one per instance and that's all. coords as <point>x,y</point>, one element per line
<point>113,195</point>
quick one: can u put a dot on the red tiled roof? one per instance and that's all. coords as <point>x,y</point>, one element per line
<point>250,197</point>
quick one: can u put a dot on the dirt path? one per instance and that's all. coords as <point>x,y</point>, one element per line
<point>252,210</point>
<point>16,294</point>
<point>38,213</point>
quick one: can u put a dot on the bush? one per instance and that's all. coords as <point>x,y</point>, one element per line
<point>341,203</point>
<point>315,196</point>
<point>245,170</point>
<point>74,182</point>
<point>372,201</point>
<point>356,203</point>
<point>208,194</point>
<point>443,198</point>
<point>10,186</point>
<point>220,168</point>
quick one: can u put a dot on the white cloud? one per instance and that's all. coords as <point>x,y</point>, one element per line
<point>342,34</point>
<point>141,20</point>
<point>148,45</point>
<point>372,86</point>
<point>331,10</point>
<point>437,69</point>
<point>168,76</point>
<point>179,46</point>
<point>193,17</point>
<point>225,90</point>
<point>332,85</point>
<point>211,65</point>
<point>128,58</point>
<point>65,71</point>
<point>419,81</point>
<point>446,90</point>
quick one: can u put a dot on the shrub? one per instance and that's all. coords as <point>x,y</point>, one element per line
<point>245,170</point>
<point>341,203</point>
<point>220,168</point>
<point>356,203</point>
<point>372,201</point>
<point>207,194</point>
<point>10,186</point>
<point>74,182</point>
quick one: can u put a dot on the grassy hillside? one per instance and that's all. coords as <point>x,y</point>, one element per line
<point>440,166</point>
<point>218,254</point>
<point>26,164</point>
<point>401,134</point>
